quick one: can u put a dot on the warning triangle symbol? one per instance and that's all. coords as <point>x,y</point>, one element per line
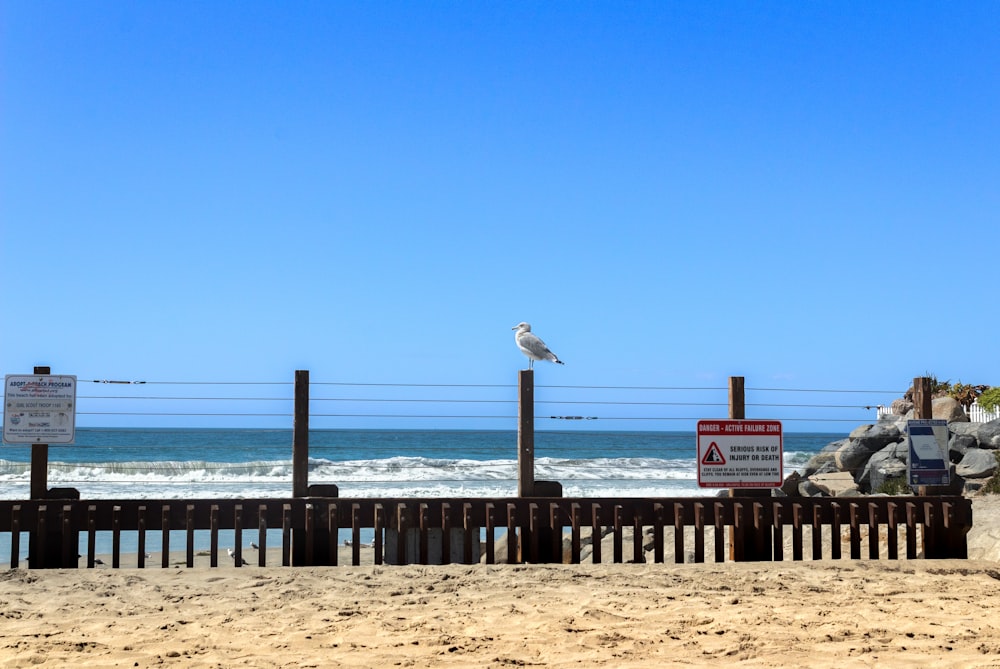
<point>713,456</point>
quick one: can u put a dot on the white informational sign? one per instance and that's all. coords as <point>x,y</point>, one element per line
<point>740,454</point>
<point>928,463</point>
<point>39,409</point>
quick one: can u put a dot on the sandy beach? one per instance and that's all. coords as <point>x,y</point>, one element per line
<point>819,614</point>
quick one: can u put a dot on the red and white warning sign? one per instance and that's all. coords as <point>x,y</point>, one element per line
<point>739,454</point>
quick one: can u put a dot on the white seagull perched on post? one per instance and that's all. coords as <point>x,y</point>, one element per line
<point>532,346</point>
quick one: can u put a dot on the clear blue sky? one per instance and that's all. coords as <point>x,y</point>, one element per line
<point>804,194</point>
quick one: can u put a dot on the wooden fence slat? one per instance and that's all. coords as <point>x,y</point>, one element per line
<point>116,536</point>
<point>490,533</point>
<point>659,521</point>
<point>618,534</point>
<point>261,535</point>
<point>534,527</point>
<point>892,543</point>
<point>445,533</point>
<point>778,546</point>
<point>574,544</point>
<point>141,555</point>
<point>720,533</point>
<point>379,530</point>
<point>873,542</point>
<point>596,533</point>
<point>213,551</point>
<point>189,535</point>
<point>678,533</point>
<point>817,533</point>
<point>15,536</point>
<point>424,519</point>
<point>469,525</point>
<point>512,537</point>
<point>70,542</point>
<point>333,533</point>
<point>855,520</point>
<point>638,556</point>
<point>165,536</point>
<point>286,535</point>
<point>355,534</point>
<point>835,532</point>
<point>796,531</point>
<point>91,536</point>
<point>699,532</point>
<point>238,560</point>
<point>911,531</point>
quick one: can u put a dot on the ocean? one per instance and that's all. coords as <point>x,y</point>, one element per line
<point>175,463</point>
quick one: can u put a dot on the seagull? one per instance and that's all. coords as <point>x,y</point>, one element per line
<point>532,346</point>
<point>253,545</point>
<point>241,562</point>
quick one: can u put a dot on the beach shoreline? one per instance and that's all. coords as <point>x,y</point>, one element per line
<point>894,614</point>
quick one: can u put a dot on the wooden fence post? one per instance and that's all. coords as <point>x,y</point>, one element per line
<point>300,459</point>
<point>922,398</point>
<point>526,433</point>
<point>753,547</point>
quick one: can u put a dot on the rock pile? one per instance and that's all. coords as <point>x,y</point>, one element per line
<point>873,458</point>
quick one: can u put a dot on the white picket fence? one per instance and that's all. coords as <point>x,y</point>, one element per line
<point>976,413</point>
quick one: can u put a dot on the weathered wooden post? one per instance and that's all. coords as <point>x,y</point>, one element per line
<point>300,458</point>
<point>48,552</point>
<point>300,435</point>
<point>40,460</point>
<point>756,547</point>
<point>922,390</point>
<point>527,486</point>
<point>526,433</point>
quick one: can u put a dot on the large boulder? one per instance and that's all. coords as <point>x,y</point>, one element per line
<point>885,471</point>
<point>888,463</point>
<point>978,463</point>
<point>988,434</point>
<point>949,409</point>
<point>863,442</point>
<point>876,437</point>
<point>840,484</point>
<point>852,456</point>
<point>901,406</point>
<point>824,460</point>
<point>959,445</point>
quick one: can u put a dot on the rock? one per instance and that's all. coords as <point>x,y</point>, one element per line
<point>977,463</point>
<point>971,429</point>
<point>840,484</point>
<point>809,489</point>
<point>949,409</point>
<point>859,431</point>
<point>824,457</point>
<point>988,434</point>
<point>884,472</point>
<point>959,444</point>
<point>875,437</point>
<point>884,465</point>
<point>791,484</point>
<point>901,406</point>
<point>865,440</point>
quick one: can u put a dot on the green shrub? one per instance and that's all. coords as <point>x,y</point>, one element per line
<point>894,487</point>
<point>990,399</point>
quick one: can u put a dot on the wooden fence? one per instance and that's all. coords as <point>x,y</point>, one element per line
<point>469,530</point>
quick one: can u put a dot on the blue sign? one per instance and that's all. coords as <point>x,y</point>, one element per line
<point>928,462</point>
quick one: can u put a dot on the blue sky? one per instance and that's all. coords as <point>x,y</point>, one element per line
<point>803,194</point>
